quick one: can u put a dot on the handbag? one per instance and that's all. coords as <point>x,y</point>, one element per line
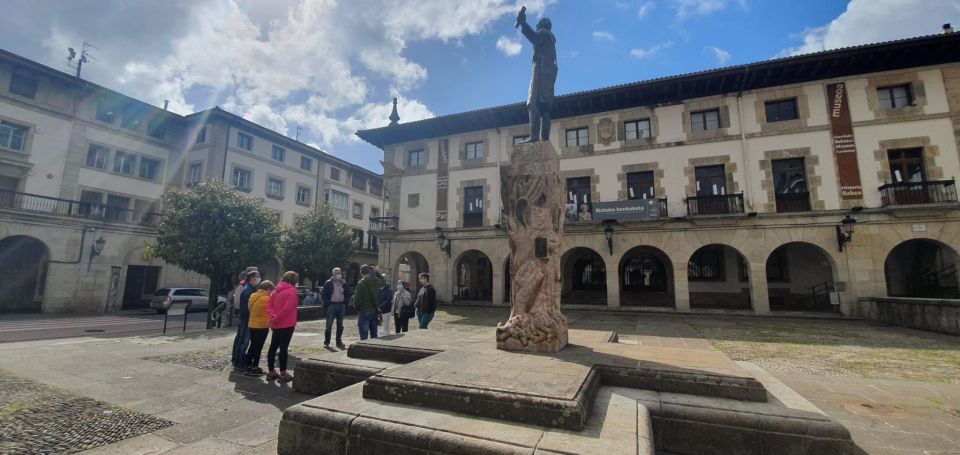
<point>407,311</point>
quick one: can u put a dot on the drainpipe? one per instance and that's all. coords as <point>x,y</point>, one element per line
<point>744,147</point>
<point>499,182</point>
<point>226,150</point>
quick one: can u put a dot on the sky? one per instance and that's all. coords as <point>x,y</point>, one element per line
<point>331,67</point>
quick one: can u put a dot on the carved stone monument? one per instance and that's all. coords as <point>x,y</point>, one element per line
<point>533,201</point>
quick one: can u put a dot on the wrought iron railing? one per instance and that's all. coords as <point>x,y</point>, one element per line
<point>793,202</point>
<point>44,204</point>
<point>924,192</point>
<point>715,205</point>
<point>383,223</point>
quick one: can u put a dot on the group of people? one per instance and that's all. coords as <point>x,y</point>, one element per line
<point>264,307</point>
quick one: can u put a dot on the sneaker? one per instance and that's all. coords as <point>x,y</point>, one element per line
<point>255,371</point>
<point>341,345</point>
<point>286,377</point>
<point>326,345</point>
<point>271,376</point>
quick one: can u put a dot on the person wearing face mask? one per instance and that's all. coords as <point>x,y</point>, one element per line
<point>335,294</point>
<point>402,309</point>
<point>242,340</point>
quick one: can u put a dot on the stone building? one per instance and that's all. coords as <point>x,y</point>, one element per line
<point>83,169</point>
<point>730,189</point>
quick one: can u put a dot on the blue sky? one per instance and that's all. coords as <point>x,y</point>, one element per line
<point>332,66</point>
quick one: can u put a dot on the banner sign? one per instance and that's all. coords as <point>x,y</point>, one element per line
<point>844,147</point>
<point>443,181</point>
<point>637,209</point>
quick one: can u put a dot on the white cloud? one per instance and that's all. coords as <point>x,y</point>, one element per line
<point>623,5</point>
<point>645,9</point>
<point>509,47</point>
<point>721,55</point>
<point>603,36</point>
<point>646,53</point>
<point>871,21</point>
<point>687,8</point>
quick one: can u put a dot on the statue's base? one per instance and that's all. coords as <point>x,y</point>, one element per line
<point>533,333</point>
<point>464,396</point>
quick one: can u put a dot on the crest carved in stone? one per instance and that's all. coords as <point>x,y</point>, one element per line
<point>606,131</point>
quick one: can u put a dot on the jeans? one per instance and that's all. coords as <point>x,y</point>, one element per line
<point>367,323</point>
<point>257,339</point>
<point>400,324</point>
<point>240,343</point>
<point>280,340</point>
<point>334,311</point>
<point>424,318</point>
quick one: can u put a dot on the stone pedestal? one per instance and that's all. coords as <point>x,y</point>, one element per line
<point>533,201</point>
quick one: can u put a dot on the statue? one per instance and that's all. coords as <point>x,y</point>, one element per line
<point>540,99</point>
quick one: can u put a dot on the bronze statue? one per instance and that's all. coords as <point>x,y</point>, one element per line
<point>540,99</point>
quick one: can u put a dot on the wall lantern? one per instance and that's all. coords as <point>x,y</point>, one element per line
<point>608,232</point>
<point>444,242</point>
<point>97,247</point>
<point>845,231</point>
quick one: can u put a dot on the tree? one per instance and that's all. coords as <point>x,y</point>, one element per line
<point>213,230</point>
<point>316,244</point>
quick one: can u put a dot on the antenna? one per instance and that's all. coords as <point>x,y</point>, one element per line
<point>298,133</point>
<point>84,56</point>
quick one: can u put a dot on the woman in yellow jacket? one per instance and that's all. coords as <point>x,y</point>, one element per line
<point>258,326</point>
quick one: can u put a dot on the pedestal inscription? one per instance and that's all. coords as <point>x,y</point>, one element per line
<point>533,197</point>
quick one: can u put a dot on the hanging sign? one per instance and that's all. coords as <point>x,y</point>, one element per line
<point>443,181</point>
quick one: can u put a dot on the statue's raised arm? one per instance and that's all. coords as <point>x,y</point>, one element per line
<point>540,99</point>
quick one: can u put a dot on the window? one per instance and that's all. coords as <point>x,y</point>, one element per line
<point>157,128</point>
<point>413,200</point>
<point>242,179</point>
<point>578,199</point>
<point>97,157</point>
<point>473,206</point>
<point>106,110</point>
<point>894,97</point>
<point>519,139</point>
<point>790,185</point>
<point>303,195</point>
<point>334,174</point>
<point>706,264</point>
<point>279,216</point>
<point>711,180</point>
<point>358,238</point>
<point>274,188</point>
<point>358,210</point>
<point>338,203</point>
<point>23,84</point>
<point>374,212</point>
<point>636,129</point>
<point>244,141</point>
<point>132,117</point>
<point>149,168</point>
<point>277,153</point>
<point>640,185</point>
<point>123,163</point>
<point>359,182</point>
<point>782,110</point>
<point>195,175</point>
<point>416,158</point>
<point>202,136</point>
<point>376,187</point>
<point>473,151</point>
<point>577,136</point>
<point>372,242</point>
<point>705,120</point>
<point>906,165</point>
<point>13,136</point>
<point>306,164</point>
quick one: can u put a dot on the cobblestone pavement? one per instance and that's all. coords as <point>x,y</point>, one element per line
<point>36,418</point>
<point>894,388</point>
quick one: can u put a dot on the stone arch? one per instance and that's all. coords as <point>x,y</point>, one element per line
<point>23,274</point>
<point>473,276</point>
<point>719,278</point>
<point>800,277</point>
<point>583,277</point>
<point>271,269</point>
<point>409,265</point>
<point>645,276</point>
<point>922,268</point>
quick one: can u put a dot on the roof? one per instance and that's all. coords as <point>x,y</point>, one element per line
<point>868,58</point>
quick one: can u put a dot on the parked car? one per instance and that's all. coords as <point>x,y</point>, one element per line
<point>198,296</point>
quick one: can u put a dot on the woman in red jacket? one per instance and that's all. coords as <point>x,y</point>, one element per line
<point>282,317</point>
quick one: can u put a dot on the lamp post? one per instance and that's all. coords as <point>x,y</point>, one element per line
<point>608,232</point>
<point>845,231</point>
<point>95,249</point>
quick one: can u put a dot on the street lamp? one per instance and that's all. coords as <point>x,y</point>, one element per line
<point>444,242</point>
<point>845,231</point>
<point>608,232</point>
<point>97,247</point>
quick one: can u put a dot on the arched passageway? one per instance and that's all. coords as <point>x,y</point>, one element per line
<point>583,278</point>
<point>474,277</point>
<point>719,278</point>
<point>270,270</point>
<point>646,278</point>
<point>409,266</point>
<point>800,278</point>
<point>352,273</point>
<point>23,274</point>
<point>922,268</point>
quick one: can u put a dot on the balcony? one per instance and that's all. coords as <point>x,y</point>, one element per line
<point>925,192</point>
<point>27,202</point>
<point>723,204</point>
<point>793,202</point>
<point>383,223</point>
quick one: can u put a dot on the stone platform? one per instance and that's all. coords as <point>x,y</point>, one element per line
<point>427,392</point>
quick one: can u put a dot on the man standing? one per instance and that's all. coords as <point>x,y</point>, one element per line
<point>426,301</point>
<point>540,99</point>
<point>242,340</point>
<point>335,295</point>
<point>365,300</point>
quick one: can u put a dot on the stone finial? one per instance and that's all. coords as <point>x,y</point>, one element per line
<point>394,117</point>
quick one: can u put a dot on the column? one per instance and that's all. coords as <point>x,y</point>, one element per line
<point>759,298</point>
<point>613,285</point>
<point>681,289</point>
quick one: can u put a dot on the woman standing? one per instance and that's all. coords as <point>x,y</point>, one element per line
<point>402,309</point>
<point>259,326</point>
<point>282,314</point>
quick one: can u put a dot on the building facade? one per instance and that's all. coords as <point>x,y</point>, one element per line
<point>83,170</point>
<point>730,189</point>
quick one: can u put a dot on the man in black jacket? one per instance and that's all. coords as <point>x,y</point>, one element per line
<point>335,295</point>
<point>426,301</point>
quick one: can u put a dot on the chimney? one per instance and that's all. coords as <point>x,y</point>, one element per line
<point>946,29</point>
<point>165,104</point>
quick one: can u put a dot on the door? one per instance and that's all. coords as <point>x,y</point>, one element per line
<point>140,286</point>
